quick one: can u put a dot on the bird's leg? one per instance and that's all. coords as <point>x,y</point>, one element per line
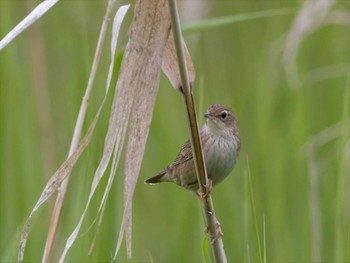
<point>207,187</point>
<point>218,234</point>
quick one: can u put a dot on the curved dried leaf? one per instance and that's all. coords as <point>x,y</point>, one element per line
<point>115,135</point>
<point>41,9</point>
<point>64,171</point>
<point>118,19</point>
<point>77,132</point>
<point>56,180</point>
<point>170,65</point>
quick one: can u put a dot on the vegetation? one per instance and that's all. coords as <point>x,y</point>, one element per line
<point>287,198</point>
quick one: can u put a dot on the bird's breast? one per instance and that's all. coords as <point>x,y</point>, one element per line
<point>220,155</point>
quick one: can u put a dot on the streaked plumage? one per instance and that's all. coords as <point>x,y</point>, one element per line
<point>221,145</point>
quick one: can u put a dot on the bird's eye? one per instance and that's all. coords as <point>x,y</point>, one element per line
<point>223,115</point>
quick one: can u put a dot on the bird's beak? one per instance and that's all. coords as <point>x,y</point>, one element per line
<point>209,115</point>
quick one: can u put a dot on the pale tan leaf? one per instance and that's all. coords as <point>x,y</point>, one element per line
<point>148,37</point>
<point>81,116</point>
<point>118,19</point>
<point>102,207</point>
<point>115,135</point>
<point>56,180</point>
<point>41,9</point>
<point>170,65</point>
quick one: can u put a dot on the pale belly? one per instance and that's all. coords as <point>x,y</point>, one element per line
<point>220,158</point>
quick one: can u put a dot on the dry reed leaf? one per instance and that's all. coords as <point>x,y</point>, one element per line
<point>56,180</point>
<point>117,152</point>
<point>170,65</point>
<point>79,124</point>
<point>66,168</point>
<point>116,131</point>
<point>148,37</point>
<point>41,9</point>
<point>52,231</point>
<point>118,19</point>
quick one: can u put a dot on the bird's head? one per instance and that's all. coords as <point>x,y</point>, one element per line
<point>220,120</point>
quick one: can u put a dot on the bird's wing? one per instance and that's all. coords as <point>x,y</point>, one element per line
<point>185,154</point>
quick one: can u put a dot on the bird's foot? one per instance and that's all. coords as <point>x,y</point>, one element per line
<point>208,187</point>
<point>218,233</point>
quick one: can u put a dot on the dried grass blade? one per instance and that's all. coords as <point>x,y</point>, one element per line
<point>115,135</point>
<point>170,64</point>
<point>117,21</point>
<point>56,180</point>
<point>138,133</point>
<point>41,9</point>
<point>150,29</point>
<point>78,128</point>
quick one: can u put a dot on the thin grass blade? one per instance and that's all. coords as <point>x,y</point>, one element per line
<point>340,242</point>
<point>227,20</point>
<point>205,250</point>
<point>77,133</point>
<point>115,135</point>
<point>254,219</point>
<point>33,16</point>
<point>55,181</point>
<point>310,18</point>
<point>117,21</point>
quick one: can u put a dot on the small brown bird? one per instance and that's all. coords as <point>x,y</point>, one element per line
<point>221,144</point>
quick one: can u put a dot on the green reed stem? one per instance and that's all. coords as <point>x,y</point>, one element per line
<point>207,204</point>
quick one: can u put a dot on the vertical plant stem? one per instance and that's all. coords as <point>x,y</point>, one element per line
<point>348,245</point>
<point>207,204</point>
<point>340,242</point>
<point>76,137</point>
<point>315,213</point>
<point>258,254</point>
<point>264,228</point>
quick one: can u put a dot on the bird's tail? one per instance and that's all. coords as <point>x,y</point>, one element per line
<point>156,179</point>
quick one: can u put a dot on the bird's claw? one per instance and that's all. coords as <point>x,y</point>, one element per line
<point>218,234</point>
<point>208,187</point>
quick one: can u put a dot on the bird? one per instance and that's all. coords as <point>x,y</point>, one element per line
<point>221,145</point>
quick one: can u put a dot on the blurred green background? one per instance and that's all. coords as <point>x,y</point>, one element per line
<point>300,186</point>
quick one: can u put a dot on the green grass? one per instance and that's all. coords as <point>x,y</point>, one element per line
<point>237,64</point>
<point>258,253</point>
<point>340,230</point>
